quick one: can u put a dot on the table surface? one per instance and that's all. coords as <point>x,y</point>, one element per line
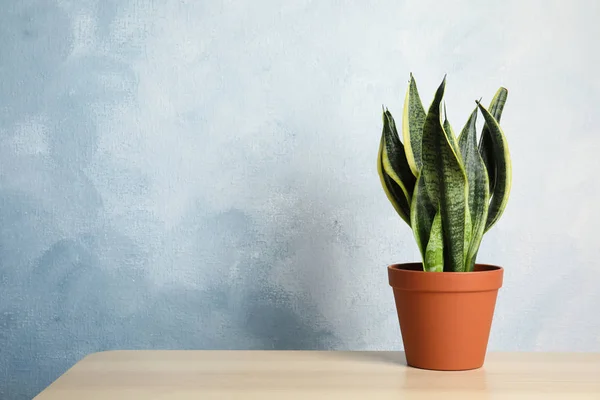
<point>314,375</point>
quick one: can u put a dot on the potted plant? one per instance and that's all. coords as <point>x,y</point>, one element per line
<point>450,190</point>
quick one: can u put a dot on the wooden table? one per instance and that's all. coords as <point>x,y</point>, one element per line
<point>311,375</point>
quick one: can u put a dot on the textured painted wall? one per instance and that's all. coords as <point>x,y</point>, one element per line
<point>201,174</point>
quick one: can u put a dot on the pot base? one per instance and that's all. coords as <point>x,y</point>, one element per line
<point>442,369</point>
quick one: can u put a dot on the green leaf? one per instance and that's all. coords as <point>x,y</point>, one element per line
<point>503,169</point>
<point>446,183</point>
<point>393,192</point>
<point>450,133</point>
<point>422,213</point>
<point>479,192</point>
<point>394,160</point>
<point>434,256</point>
<point>486,145</point>
<point>467,240</point>
<point>413,119</point>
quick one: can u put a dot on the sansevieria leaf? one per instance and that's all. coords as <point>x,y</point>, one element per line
<point>468,237</point>
<point>479,192</point>
<point>422,213</point>
<point>393,157</point>
<point>413,119</point>
<point>446,183</point>
<point>434,255</point>
<point>486,144</point>
<point>450,133</point>
<point>503,169</point>
<point>393,192</point>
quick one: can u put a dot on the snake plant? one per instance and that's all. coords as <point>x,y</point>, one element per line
<point>449,190</point>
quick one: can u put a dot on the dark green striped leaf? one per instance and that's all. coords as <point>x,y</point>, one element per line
<point>446,183</point>
<point>394,160</point>
<point>468,237</point>
<point>434,255</point>
<point>479,192</point>
<point>486,145</point>
<point>503,169</point>
<point>422,213</point>
<point>450,132</point>
<point>413,119</point>
<point>392,190</point>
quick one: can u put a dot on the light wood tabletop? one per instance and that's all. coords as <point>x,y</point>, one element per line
<point>178,375</point>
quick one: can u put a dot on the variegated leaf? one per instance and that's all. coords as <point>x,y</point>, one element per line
<point>413,119</point>
<point>479,193</point>
<point>450,133</point>
<point>395,163</point>
<point>503,169</point>
<point>393,192</point>
<point>434,255</point>
<point>486,145</point>
<point>468,238</point>
<point>446,183</point>
<point>422,212</point>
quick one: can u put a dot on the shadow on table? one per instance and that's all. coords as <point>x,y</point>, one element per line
<point>420,382</point>
<point>388,357</point>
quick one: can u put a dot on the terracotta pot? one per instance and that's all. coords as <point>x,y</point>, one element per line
<point>445,317</point>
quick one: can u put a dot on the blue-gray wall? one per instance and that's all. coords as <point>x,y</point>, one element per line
<point>201,174</point>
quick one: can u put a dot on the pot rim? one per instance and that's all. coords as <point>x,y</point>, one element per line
<point>412,277</point>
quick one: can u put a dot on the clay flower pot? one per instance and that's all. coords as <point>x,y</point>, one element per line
<point>445,317</point>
